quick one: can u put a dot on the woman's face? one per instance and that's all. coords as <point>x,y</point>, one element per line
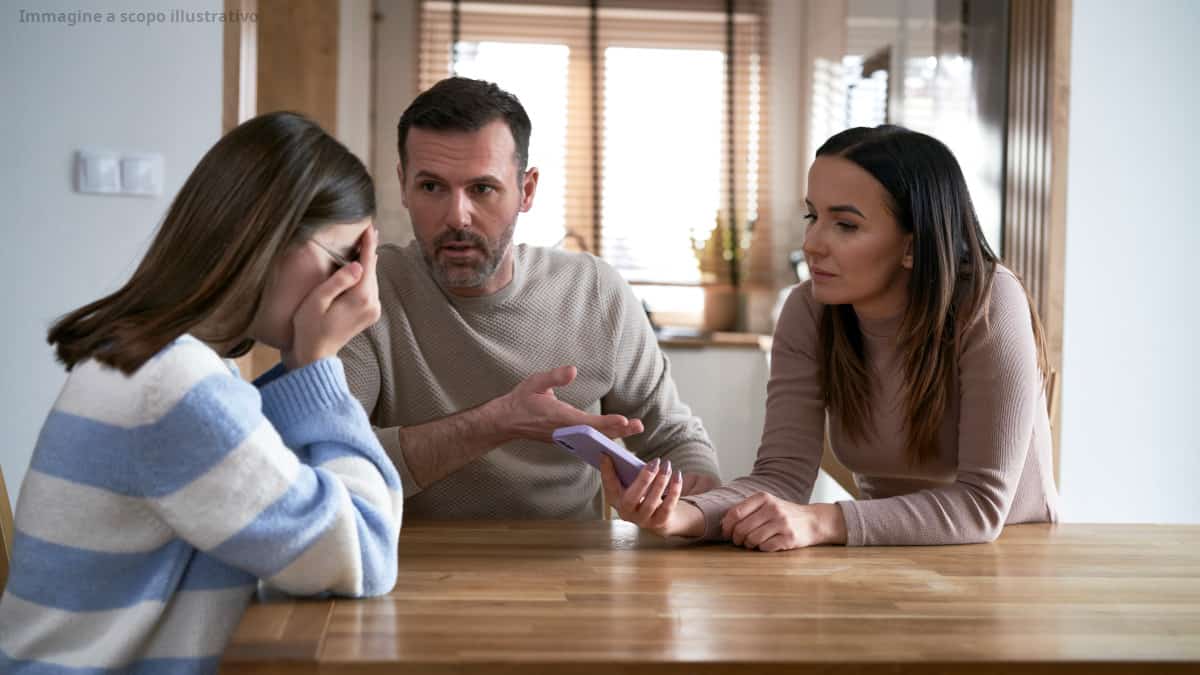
<point>299,269</point>
<point>856,251</point>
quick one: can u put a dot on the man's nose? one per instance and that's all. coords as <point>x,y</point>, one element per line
<point>458,213</point>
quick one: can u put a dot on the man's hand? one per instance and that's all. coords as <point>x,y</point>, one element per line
<point>768,523</point>
<point>531,411</point>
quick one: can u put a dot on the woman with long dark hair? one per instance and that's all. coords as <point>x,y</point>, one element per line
<point>923,350</point>
<point>163,486</point>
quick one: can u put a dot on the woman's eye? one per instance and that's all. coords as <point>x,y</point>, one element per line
<point>810,218</point>
<point>847,227</point>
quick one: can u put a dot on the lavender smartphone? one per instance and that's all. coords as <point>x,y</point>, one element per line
<point>588,444</point>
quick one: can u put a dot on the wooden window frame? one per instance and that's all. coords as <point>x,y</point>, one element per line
<point>1035,200</point>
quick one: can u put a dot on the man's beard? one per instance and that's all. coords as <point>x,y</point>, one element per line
<point>473,274</point>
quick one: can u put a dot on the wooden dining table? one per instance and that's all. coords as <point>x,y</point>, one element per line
<point>604,597</point>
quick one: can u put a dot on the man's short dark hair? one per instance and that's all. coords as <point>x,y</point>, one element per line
<point>463,104</point>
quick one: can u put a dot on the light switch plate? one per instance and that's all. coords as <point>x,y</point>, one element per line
<point>97,172</point>
<point>141,174</point>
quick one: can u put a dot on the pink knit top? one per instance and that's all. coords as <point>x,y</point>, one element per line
<point>994,462</point>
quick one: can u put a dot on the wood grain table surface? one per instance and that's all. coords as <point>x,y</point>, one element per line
<point>602,597</point>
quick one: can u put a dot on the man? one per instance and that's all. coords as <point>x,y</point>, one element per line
<point>484,349</point>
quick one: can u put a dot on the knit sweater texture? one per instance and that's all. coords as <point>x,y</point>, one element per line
<point>435,354</point>
<point>993,465</point>
<point>155,503</point>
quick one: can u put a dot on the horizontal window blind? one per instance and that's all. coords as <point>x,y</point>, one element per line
<point>645,149</point>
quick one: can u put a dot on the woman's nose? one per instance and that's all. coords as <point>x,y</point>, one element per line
<point>814,244</point>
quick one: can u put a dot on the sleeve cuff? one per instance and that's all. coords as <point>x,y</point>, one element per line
<point>713,510</point>
<point>855,530</point>
<point>271,375</point>
<point>298,394</point>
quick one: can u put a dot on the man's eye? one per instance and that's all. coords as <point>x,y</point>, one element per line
<point>428,186</point>
<point>483,189</point>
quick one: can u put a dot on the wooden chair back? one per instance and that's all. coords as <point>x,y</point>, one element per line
<point>830,465</point>
<point>6,532</point>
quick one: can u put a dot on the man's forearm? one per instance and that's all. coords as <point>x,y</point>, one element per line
<point>437,449</point>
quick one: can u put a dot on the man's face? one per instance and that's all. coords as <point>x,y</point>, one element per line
<point>463,192</point>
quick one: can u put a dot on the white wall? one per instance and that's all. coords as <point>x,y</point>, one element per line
<point>354,77</point>
<point>788,151</point>
<point>116,86</point>
<point>396,42</point>
<point>1131,378</point>
<point>726,387</point>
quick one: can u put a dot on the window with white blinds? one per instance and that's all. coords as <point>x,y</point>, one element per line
<point>648,123</point>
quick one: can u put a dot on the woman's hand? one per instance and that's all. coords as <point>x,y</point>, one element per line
<point>768,523</point>
<point>343,306</point>
<point>652,500</point>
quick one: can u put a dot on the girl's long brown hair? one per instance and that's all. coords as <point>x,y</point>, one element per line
<point>268,183</point>
<point>951,281</point>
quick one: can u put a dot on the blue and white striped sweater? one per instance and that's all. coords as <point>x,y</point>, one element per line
<point>155,502</point>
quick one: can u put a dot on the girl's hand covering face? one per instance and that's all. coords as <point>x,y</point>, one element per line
<point>341,307</point>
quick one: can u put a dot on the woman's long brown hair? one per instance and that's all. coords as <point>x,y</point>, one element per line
<point>951,281</point>
<point>268,183</point>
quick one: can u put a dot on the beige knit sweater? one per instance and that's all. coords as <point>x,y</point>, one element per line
<point>434,354</point>
<point>994,465</point>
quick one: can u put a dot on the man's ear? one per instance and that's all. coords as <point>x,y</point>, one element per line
<point>907,261</point>
<point>403,192</point>
<point>528,188</point>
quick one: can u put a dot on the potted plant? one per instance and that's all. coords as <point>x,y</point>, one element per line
<point>718,262</point>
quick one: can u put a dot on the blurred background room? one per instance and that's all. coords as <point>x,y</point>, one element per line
<point>673,138</point>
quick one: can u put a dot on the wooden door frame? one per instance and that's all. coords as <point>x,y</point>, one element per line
<point>239,89</point>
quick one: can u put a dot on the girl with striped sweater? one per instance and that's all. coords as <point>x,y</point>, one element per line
<point>163,487</point>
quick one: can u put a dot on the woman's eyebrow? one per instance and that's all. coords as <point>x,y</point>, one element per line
<point>847,208</point>
<point>843,208</point>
